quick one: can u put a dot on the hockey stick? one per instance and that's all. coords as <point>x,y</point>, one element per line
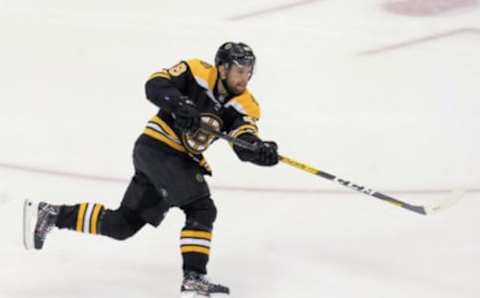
<point>450,200</point>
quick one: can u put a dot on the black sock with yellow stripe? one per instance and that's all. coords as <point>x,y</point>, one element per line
<point>84,218</point>
<point>195,248</point>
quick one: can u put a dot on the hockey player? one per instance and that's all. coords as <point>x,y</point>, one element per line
<point>168,161</point>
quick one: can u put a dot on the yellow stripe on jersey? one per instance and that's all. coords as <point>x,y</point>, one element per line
<point>161,131</point>
<point>204,73</point>
<point>196,234</point>
<point>81,216</point>
<point>161,74</point>
<point>197,249</point>
<point>94,220</point>
<point>165,135</point>
<point>164,126</point>
<point>246,104</point>
<point>160,137</point>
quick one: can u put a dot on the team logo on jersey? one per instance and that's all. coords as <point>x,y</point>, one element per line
<point>198,141</point>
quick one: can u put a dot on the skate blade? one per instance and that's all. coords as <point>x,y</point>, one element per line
<point>30,210</point>
<point>196,295</point>
<point>192,295</point>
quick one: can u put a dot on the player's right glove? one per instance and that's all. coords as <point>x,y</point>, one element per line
<point>185,113</point>
<point>265,153</point>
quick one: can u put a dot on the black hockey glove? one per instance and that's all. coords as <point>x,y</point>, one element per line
<point>185,113</point>
<point>265,153</point>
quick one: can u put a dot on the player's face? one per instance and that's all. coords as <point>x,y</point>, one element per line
<point>238,77</point>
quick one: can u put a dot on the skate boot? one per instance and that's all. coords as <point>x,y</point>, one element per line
<point>38,220</point>
<point>196,285</point>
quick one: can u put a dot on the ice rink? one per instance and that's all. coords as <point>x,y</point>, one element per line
<point>385,93</point>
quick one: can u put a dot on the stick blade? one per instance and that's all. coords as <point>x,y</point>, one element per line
<point>29,220</point>
<point>452,199</point>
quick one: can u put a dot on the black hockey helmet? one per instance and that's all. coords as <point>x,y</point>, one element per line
<point>235,53</point>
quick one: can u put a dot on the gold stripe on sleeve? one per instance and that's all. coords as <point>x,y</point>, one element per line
<point>244,128</point>
<point>161,74</point>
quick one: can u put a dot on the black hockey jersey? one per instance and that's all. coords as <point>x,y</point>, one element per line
<point>198,80</point>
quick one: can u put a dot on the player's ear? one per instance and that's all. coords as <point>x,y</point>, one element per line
<point>222,71</point>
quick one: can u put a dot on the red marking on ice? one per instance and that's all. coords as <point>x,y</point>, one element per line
<point>63,174</point>
<point>426,7</point>
<point>230,188</point>
<point>421,40</point>
<point>271,10</point>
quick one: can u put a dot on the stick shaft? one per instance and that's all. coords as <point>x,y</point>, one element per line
<point>323,174</point>
<point>353,186</point>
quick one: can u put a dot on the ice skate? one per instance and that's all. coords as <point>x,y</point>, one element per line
<point>196,285</point>
<point>38,220</point>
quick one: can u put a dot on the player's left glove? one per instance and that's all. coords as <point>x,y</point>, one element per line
<point>185,113</point>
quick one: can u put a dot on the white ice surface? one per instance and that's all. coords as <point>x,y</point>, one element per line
<point>71,99</point>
